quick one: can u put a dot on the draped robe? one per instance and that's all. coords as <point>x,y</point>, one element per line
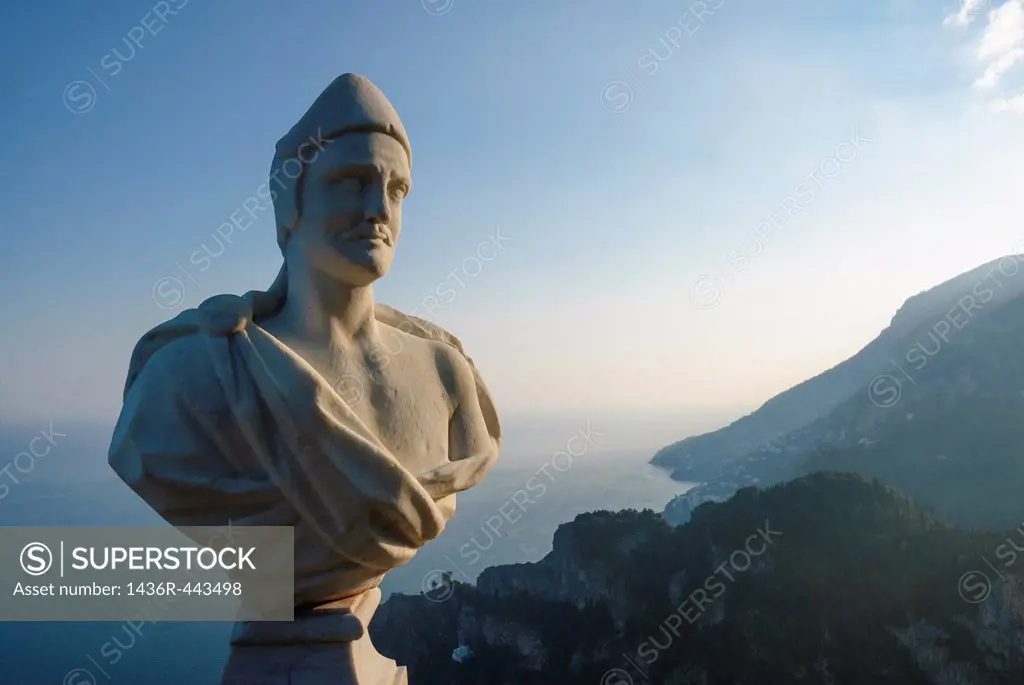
<point>222,423</point>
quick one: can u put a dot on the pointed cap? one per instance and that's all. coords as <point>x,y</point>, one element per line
<point>350,104</point>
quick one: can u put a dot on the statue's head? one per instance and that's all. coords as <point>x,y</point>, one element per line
<point>338,180</point>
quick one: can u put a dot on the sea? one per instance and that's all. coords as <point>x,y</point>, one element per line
<point>72,485</point>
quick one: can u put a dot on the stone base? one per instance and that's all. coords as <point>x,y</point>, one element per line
<point>328,645</point>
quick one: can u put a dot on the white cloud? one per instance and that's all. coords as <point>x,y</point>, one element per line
<point>1010,104</point>
<point>994,71</point>
<point>1005,30</point>
<point>999,46</point>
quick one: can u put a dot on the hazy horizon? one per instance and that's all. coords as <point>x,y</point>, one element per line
<point>527,442</point>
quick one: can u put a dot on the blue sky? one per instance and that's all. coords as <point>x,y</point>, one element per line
<point>616,219</point>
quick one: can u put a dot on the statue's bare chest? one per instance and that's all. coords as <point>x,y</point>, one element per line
<point>399,396</point>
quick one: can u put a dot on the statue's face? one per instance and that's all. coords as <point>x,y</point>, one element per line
<point>352,207</point>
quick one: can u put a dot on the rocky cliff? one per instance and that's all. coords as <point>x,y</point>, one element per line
<point>828,579</point>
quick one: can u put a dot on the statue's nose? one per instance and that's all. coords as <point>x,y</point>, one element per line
<point>378,209</point>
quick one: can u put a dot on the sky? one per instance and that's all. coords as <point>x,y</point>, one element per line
<point>690,207</point>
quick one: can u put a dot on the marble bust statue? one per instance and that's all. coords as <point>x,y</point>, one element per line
<point>232,411</point>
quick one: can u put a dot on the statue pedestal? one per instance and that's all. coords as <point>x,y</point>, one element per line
<point>328,645</point>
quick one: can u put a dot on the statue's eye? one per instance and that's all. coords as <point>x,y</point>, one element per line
<point>399,190</point>
<point>346,182</point>
<point>354,179</point>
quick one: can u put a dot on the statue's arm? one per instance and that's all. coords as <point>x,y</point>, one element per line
<point>472,449</point>
<point>467,430</point>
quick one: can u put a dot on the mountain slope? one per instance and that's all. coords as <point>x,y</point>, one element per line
<point>967,464</point>
<point>935,381</point>
<point>980,290</point>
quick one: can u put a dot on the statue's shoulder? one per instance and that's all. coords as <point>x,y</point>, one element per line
<point>455,370</point>
<point>183,367</point>
<point>453,365</point>
<point>176,356</point>
<point>186,355</point>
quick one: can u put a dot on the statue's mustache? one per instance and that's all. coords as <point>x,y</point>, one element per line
<point>369,234</point>
<point>365,231</point>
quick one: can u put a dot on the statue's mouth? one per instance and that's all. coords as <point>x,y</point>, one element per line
<point>374,237</point>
